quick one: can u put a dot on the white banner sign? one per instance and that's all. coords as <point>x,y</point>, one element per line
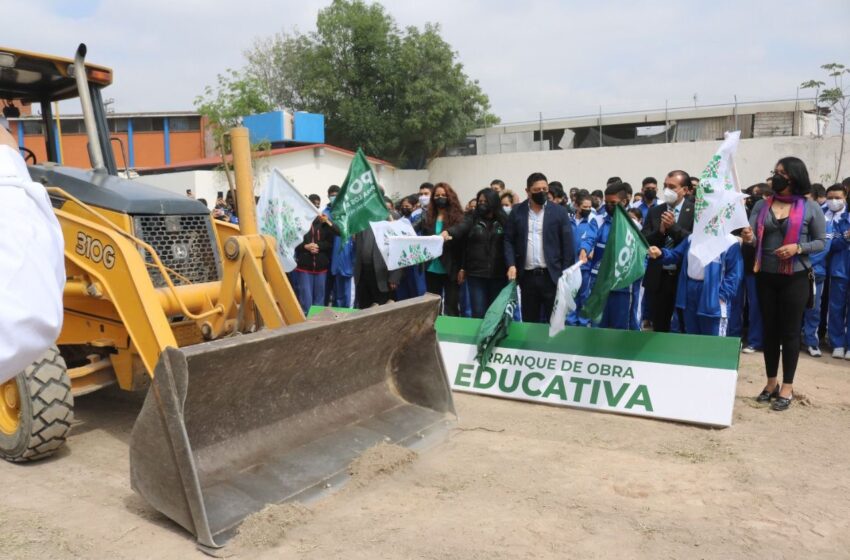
<point>700,395</point>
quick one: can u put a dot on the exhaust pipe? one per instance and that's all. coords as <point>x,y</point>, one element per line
<point>95,154</point>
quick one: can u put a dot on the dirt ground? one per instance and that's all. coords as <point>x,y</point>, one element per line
<point>515,480</point>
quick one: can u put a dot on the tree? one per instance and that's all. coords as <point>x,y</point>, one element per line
<point>837,100</point>
<point>233,97</point>
<point>400,94</point>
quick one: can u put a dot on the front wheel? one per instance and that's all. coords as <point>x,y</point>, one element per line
<point>36,410</point>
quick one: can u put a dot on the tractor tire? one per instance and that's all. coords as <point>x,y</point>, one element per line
<point>45,410</point>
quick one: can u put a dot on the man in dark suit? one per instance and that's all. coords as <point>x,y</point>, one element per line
<point>538,247</point>
<point>666,226</point>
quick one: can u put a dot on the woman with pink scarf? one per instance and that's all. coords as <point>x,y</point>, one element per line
<point>785,229</point>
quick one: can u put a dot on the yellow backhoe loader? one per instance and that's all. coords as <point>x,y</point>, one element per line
<point>247,403</point>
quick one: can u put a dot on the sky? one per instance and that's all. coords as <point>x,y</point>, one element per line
<point>560,59</point>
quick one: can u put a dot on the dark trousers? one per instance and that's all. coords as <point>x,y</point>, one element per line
<point>538,295</point>
<point>444,285</point>
<point>783,301</point>
<point>368,292</point>
<point>482,292</point>
<point>664,302</point>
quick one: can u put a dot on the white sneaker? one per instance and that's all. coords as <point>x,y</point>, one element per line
<point>814,352</point>
<point>748,350</point>
<point>838,353</point>
<point>847,355</point>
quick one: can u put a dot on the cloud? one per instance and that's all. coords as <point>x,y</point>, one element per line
<point>558,58</point>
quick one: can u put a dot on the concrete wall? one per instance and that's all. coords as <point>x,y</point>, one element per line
<point>311,174</point>
<point>590,167</point>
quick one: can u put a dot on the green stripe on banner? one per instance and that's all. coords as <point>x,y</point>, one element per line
<point>721,352</point>
<point>683,349</point>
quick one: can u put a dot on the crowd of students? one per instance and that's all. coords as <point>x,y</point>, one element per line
<point>496,237</point>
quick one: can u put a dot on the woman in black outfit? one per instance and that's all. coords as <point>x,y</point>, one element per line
<point>785,229</point>
<point>443,214</point>
<point>482,237</point>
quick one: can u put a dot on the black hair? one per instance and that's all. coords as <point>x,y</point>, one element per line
<point>556,189</point>
<point>846,182</point>
<point>636,213</point>
<point>616,188</point>
<point>798,175</point>
<point>497,182</point>
<point>333,189</point>
<point>818,190</point>
<point>412,199</point>
<point>647,181</point>
<point>837,187</point>
<point>597,193</point>
<point>506,195</point>
<point>427,185</point>
<point>583,191</point>
<point>314,197</point>
<point>534,177</point>
<point>612,180</point>
<point>494,203</point>
<point>683,176</point>
<point>581,197</point>
<point>628,188</point>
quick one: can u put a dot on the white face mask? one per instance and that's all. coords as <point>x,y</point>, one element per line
<point>507,209</point>
<point>423,200</point>
<point>670,196</point>
<point>835,204</point>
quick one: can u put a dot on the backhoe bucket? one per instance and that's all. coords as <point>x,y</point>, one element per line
<point>232,425</point>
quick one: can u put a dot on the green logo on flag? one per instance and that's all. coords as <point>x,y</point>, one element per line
<point>359,201</point>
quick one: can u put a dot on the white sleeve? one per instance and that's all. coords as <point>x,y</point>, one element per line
<point>32,268</point>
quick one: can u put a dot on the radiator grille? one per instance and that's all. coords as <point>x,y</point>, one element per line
<point>185,244</point>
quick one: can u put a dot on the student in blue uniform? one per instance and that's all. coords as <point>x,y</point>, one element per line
<point>585,230</point>
<point>839,273</point>
<point>703,293</point>
<point>617,309</point>
<point>811,317</point>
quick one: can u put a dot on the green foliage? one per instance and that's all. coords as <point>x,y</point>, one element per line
<point>399,94</point>
<point>234,96</point>
<point>836,99</point>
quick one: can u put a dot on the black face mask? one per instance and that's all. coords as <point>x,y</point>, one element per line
<point>584,213</point>
<point>441,202</point>
<point>406,211</point>
<point>779,184</point>
<point>540,197</point>
<point>482,209</point>
<point>609,208</point>
<point>649,195</point>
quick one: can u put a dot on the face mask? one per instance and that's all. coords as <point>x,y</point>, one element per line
<point>482,209</point>
<point>780,183</point>
<point>584,213</point>
<point>540,197</point>
<point>441,202</point>
<point>649,195</point>
<point>835,204</point>
<point>507,209</point>
<point>637,223</point>
<point>423,200</point>
<point>670,196</point>
<point>331,200</point>
<point>609,208</point>
<point>406,212</point>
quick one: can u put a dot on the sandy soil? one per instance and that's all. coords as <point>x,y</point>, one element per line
<point>515,480</point>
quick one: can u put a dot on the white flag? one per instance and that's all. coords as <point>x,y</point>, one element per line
<point>565,298</point>
<point>406,250</point>
<point>719,208</point>
<point>385,230</point>
<point>285,214</point>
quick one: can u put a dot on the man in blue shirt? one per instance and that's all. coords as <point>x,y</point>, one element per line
<point>617,312</point>
<point>649,190</point>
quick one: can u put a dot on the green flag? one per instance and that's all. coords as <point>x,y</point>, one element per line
<point>624,262</point>
<point>494,326</point>
<point>359,200</point>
